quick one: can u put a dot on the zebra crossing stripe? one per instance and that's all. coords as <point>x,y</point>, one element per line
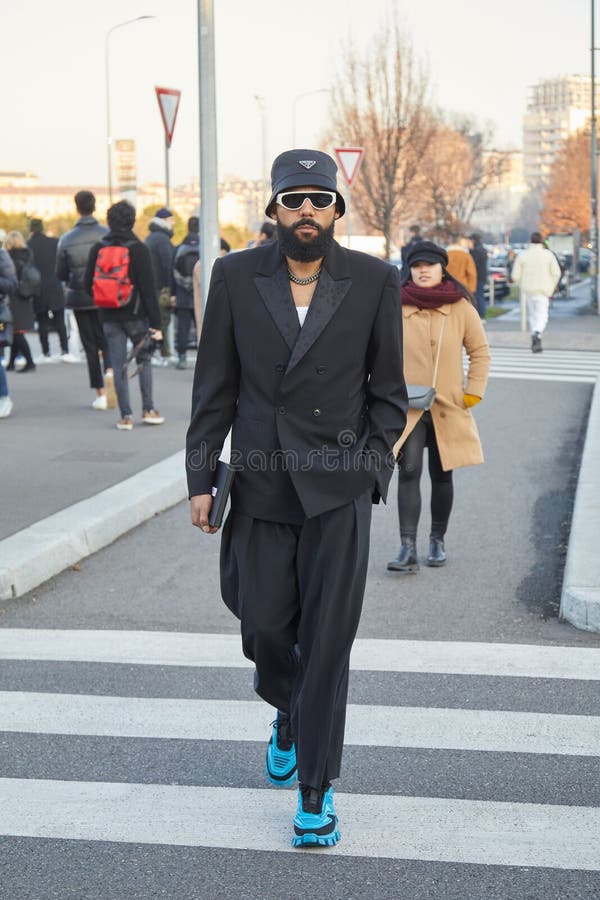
<point>162,648</point>
<point>580,366</point>
<point>393,827</point>
<point>248,720</point>
<point>541,375</point>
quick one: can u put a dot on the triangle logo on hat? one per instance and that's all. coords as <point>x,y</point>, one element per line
<point>307,163</point>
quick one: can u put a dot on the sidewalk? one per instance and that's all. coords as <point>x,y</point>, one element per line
<point>573,324</point>
<point>72,483</point>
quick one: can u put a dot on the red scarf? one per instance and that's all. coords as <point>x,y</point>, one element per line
<point>431,297</point>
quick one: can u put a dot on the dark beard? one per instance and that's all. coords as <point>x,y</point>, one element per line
<point>301,250</point>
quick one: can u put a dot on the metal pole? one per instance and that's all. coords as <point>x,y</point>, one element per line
<point>348,221</point>
<point>167,183</point>
<point>209,206</point>
<point>593,187</point>
<point>263,130</point>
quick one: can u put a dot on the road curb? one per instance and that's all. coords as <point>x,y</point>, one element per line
<point>580,600</point>
<point>37,553</point>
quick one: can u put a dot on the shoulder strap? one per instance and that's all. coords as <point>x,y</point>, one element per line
<point>437,355</point>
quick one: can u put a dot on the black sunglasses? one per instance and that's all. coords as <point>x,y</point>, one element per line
<point>294,199</point>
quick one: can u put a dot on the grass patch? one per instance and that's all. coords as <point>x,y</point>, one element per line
<point>492,312</point>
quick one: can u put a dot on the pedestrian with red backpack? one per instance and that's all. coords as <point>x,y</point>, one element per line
<point>120,280</point>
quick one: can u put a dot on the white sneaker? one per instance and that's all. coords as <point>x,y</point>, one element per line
<point>100,402</point>
<point>68,358</point>
<point>6,407</point>
<point>42,360</point>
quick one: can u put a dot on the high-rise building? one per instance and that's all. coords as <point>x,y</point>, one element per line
<point>556,109</point>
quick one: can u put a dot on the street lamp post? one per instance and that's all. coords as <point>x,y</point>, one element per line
<point>107,86</point>
<point>593,176</point>
<point>294,104</point>
<point>263,125</point>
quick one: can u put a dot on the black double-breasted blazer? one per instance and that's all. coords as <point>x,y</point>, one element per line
<point>315,409</point>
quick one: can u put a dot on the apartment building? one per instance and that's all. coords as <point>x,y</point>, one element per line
<point>556,108</point>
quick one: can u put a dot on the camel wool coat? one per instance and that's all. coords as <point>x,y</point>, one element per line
<point>455,429</point>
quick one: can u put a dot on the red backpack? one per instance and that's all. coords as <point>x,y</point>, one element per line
<point>112,287</point>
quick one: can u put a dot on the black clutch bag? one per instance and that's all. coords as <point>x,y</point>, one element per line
<point>220,492</point>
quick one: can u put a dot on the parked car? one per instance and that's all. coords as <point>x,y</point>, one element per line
<point>499,275</point>
<point>585,259</point>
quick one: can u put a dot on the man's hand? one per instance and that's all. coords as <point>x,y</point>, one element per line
<point>200,506</point>
<point>156,334</point>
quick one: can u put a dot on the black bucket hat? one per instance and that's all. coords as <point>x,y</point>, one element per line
<point>296,168</point>
<point>426,251</point>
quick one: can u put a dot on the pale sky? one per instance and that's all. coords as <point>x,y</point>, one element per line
<point>482,55</point>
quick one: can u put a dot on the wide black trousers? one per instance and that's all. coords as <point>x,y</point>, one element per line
<point>298,591</point>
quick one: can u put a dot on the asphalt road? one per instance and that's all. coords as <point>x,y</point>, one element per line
<point>506,547</point>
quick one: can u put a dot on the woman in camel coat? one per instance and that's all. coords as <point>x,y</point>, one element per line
<point>437,313</point>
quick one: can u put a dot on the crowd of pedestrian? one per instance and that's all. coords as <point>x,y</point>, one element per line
<point>50,285</point>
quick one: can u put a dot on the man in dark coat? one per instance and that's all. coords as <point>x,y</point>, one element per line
<point>162,252</point>
<point>186,257</point>
<point>301,352</point>
<point>51,299</point>
<point>480,258</point>
<point>71,262</point>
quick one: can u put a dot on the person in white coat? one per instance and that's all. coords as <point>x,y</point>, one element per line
<point>537,273</point>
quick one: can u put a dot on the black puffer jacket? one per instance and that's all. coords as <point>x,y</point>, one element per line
<point>162,253</point>
<point>72,256</point>
<point>21,308</point>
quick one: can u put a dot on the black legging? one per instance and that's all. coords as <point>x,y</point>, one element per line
<point>410,466</point>
<point>58,318</point>
<point>18,347</point>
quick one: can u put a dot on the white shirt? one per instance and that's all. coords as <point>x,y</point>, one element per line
<point>302,311</point>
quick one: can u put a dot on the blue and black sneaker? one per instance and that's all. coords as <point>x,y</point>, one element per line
<point>315,823</point>
<point>280,767</point>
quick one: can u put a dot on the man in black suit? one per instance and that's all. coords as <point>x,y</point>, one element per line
<point>301,352</point>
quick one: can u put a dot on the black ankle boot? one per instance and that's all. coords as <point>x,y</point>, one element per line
<point>407,560</point>
<point>437,553</point>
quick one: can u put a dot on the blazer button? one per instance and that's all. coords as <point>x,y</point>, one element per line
<point>320,370</point>
<point>316,412</point>
<point>279,367</point>
<point>281,410</point>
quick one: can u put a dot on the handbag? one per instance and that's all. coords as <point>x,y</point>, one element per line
<point>6,327</point>
<point>421,396</point>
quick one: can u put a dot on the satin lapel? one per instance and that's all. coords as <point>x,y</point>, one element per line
<point>277,297</point>
<point>325,302</point>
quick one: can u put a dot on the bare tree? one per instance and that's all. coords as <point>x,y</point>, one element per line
<point>456,172</point>
<point>380,103</point>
